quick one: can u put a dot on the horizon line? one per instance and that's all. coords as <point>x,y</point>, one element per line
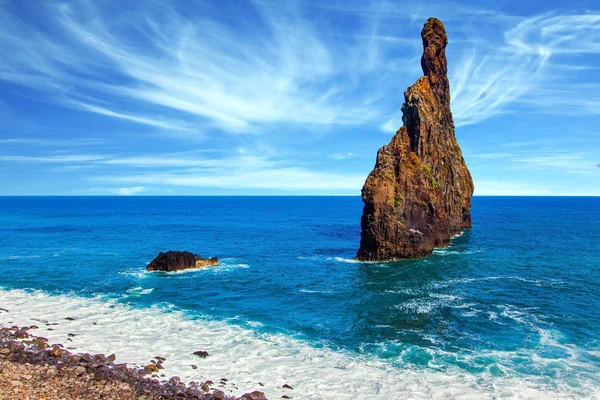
<point>269,195</point>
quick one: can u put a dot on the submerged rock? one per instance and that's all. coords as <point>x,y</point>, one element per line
<point>201,353</point>
<point>179,260</point>
<point>419,193</point>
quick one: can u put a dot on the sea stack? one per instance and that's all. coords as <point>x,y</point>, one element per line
<point>419,193</point>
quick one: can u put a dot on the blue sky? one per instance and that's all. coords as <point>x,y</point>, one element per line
<point>288,97</point>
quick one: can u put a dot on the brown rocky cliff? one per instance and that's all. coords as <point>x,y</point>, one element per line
<point>419,193</point>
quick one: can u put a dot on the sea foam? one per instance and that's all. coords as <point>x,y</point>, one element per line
<point>245,357</point>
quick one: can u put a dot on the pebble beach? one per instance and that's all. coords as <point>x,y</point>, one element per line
<point>33,368</point>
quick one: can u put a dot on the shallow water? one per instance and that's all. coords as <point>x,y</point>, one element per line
<point>510,309</point>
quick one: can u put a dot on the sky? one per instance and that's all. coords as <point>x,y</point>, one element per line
<point>267,97</point>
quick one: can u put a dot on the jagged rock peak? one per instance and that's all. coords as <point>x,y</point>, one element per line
<point>419,193</point>
<point>433,61</point>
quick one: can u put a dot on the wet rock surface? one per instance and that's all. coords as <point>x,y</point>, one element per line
<point>201,353</point>
<point>179,260</point>
<point>32,368</point>
<point>419,193</point>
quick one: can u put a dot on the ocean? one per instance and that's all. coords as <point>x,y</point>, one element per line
<point>510,310</point>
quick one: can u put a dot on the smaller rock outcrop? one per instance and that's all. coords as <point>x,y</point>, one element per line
<point>179,260</point>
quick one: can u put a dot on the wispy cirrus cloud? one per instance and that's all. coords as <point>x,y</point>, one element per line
<point>76,142</point>
<point>550,34</point>
<point>129,117</point>
<point>567,162</point>
<point>342,156</point>
<point>544,159</point>
<point>55,159</point>
<point>120,191</point>
<point>233,171</point>
<point>237,170</point>
<point>490,187</point>
<point>293,70</point>
<point>156,67</point>
<point>286,179</point>
<point>235,77</point>
<point>536,67</point>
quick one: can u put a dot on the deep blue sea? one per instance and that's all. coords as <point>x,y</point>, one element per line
<point>511,308</point>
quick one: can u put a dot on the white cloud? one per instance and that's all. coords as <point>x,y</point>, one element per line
<point>486,187</point>
<point>484,85</point>
<point>236,171</point>
<point>393,124</point>
<point>233,171</point>
<point>489,156</point>
<point>53,142</point>
<point>284,69</point>
<point>163,160</point>
<point>567,162</point>
<point>128,191</point>
<point>114,114</point>
<point>73,158</point>
<point>342,156</point>
<point>284,179</point>
<point>526,71</point>
<point>547,159</point>
<point>122,191</point>
<point>557,34</point>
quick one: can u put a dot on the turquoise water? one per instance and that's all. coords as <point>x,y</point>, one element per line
<point>517,296</point>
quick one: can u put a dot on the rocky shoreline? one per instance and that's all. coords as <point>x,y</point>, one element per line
<point>30,367</point>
